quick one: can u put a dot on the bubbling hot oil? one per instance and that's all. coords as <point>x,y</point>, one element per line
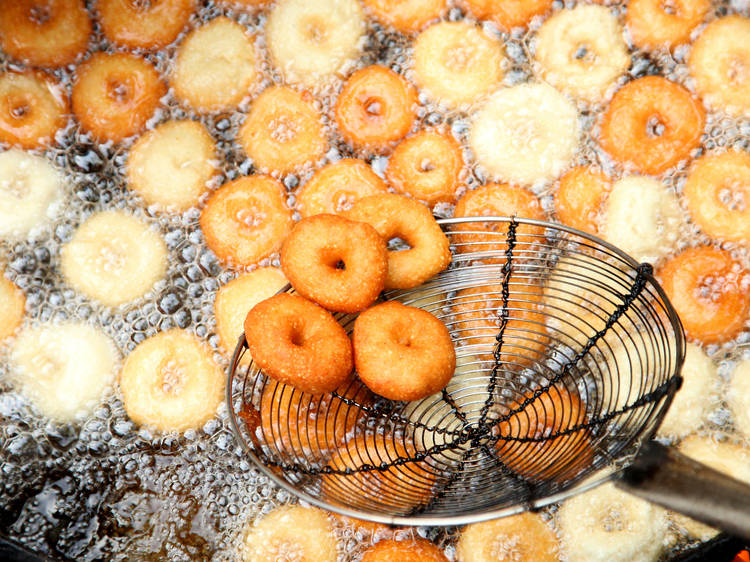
<point>108,489</point>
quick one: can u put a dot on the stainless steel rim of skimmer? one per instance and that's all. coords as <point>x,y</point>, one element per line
<point>606,371</point>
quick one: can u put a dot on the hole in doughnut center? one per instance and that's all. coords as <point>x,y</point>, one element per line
<point>584,54</point>
<point>296,336</point>
<point>118,91</point>
<point>172,377</point>
<point>19,109</point>
<point>340,265</point>
<point>460,58</point>
<point>655,127</point>
<point>426,166</point>
<point>670,8</point>
<point>397,244</point>
<point>141,5</point>
<point>250,217</point>
<point>374,107</point>
<point>40,14</point>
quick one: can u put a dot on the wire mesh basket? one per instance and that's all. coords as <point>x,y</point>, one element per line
<point>568,354</point>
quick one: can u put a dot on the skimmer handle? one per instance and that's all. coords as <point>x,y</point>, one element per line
<point>663,476</point>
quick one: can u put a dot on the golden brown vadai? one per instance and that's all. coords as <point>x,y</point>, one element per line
<point>426,166</point>
<point>375,108</point>
<point>414,550</point>
<point>406,16</point>
<point>709,291</point>
<point>296,342</point>
<point>656,23</point>
<point>339,263</point>
<point>717,192</point>
<point>402,352</point>
<point>246,219</point>
<point>144,25</point>
<point>283,130</point>
<point>115,94</point>
<point>579,196</point>
<point>336,187</point>
<point>508,14</point>
<point>33,108</point>
<point>495,200</point>
<point>396,216</point>
<point>44,32</point>
<point>651,124</point>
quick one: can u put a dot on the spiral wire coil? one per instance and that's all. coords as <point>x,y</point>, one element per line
<point>568,355</point>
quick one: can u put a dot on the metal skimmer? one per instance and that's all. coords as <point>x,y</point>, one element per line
<point>568,354</point>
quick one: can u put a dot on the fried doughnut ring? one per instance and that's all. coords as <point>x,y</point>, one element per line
<point>336,187</point>
<point>396,216</point>
<point>457,63</point>
<point>309,424</point>
<point>579,196</point>
<point>495,200</point>
<point>375,108</point>
<point>476,311</point>
<point>283,130</point>
<point>336,262</point>
<point>651,124</point>
<point>414,550</point>
<point>508,14</point>
<point>12,307</point>
<point>296,342</point>
<point>402,352</point>
<point>171,165</point>
<point>708,289</point>
<point>171,381</point>
<point>115,94</point>
<point>291,533</point>
<point>408,483</point>
<point>519,537</point>
<point>719,62</point>
<point>246,219</point>
<point>717,191</point>
<point>44,32</point>
<point>426,166</point>
<point>552,458</point>
<point>406,16</point>
<point>33,108</point>
<point>651,25</point>
<point>144,25</point>
<point>581,51</point>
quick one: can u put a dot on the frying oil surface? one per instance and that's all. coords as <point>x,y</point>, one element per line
<point>106,488</point>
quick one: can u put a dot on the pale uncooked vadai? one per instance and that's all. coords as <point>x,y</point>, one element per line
<point>296,342</point>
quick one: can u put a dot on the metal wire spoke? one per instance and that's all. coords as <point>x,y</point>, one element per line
<point>567,355</point>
